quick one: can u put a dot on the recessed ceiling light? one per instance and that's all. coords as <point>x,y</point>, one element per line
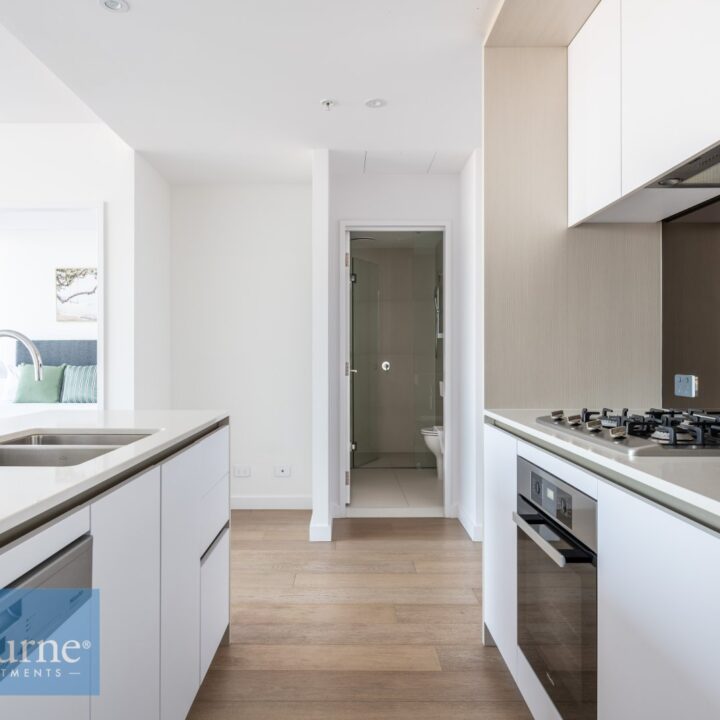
<point>115,5</point>
<point>670,181</point>
<point>328,104</point>
<point>375,103</point>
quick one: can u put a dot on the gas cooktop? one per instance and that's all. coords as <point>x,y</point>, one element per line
<point>656,432</point>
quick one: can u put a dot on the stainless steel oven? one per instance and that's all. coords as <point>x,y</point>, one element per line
<point>557,588</point>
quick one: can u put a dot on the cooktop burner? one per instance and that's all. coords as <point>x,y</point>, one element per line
<point>655,432</point>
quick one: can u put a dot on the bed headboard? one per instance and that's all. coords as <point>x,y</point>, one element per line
<point>57,352</point>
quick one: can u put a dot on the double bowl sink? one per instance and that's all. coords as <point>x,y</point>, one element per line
<point>62,449</point>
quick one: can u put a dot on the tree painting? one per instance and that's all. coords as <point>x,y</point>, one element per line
<point>76,294</point>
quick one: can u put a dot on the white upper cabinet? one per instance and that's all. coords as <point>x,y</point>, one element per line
<point>594,113</point>
<point>642,100</point>
<point>670,93</point>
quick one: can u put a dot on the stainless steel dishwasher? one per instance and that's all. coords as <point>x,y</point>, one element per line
<point>36,605</point>
<point>557,588</point>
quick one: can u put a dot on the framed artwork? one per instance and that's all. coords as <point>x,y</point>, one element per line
<point>76,294</point>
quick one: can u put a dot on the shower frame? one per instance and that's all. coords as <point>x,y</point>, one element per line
<point>450,487</point>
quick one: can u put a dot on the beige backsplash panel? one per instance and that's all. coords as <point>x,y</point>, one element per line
<point>572,317</point>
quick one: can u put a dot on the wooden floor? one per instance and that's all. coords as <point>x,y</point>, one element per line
<point>384,622</point>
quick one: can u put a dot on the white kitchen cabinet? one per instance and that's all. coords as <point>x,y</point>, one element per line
<point>658,600</point>
<point>500,542</point>
<point>670,94</point>
<point>189,481</point>
<point>594,113</point>
<point>214,594</point>
<point>126,570</point>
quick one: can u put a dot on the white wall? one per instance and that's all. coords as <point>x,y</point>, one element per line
<point>469,326</point>
<point>28,260</point>
<point>33,244</point>
<point>323,429</point>
<point>83,163</point>
<point>152,303</point>
<point>241,327</point>
<point>414,199</point>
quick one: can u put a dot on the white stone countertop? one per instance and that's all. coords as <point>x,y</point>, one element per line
<point>27,493</point>
<point>688,485</point>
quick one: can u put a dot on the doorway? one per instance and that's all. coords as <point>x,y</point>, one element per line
<point>396,374</point>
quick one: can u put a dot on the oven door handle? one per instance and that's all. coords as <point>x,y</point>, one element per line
<point>557,557</point>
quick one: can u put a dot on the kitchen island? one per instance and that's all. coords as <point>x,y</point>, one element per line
<point>151,509</point>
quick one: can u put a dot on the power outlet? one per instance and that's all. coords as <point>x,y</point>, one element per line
<point>242,471</point>
<point>283,471</point>
<point>686,386</point>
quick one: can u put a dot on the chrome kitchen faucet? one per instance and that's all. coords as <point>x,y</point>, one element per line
<point>31,348</point>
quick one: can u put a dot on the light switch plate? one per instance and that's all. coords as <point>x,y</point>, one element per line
<point>686,386</point>
<point>242,471</point>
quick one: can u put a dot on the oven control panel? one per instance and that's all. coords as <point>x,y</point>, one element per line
<point>553,500</point>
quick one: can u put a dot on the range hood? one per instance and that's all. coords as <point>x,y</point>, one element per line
<point>701,172</point>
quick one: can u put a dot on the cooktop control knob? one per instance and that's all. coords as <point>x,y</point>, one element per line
<point>593,425</point>
<point>557,415</point>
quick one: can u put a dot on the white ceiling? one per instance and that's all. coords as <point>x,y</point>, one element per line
<point>231,89</point>
<point>391,162</point>
<point>30,93</point>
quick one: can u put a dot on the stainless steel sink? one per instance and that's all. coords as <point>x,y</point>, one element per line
<point>49,456</point>
<point>70,438</point>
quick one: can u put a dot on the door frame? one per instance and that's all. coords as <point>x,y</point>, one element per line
<point>99,221</point>
<point>344,299</point>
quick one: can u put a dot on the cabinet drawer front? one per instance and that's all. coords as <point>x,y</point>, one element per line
<point>214,599</point>
<point>214,512</point>
<point>25,553</point>
<point>206,461</point>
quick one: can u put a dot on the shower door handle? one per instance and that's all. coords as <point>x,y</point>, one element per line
<point>385,366</point>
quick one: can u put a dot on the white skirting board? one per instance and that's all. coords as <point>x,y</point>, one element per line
<point>320,533</point>
<point>394,512</point>
<point>271,502</point>
<point>474,531</point>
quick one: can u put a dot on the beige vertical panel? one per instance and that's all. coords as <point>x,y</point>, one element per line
<point>573,317</point>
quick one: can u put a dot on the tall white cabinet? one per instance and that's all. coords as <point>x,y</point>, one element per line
<point>500,542</point>
<point>658,600</point>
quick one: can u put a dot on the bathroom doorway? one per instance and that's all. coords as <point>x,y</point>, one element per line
<point>396,373</point>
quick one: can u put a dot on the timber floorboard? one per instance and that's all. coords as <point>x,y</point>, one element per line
<point>383,622</point>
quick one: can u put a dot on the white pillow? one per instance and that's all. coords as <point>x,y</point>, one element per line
<point>9,386</point>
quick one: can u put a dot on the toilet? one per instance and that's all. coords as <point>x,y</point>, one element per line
<point>435,440</point>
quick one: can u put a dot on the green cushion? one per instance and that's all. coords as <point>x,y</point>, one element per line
<point>45,391</point>
<point>80,384</point>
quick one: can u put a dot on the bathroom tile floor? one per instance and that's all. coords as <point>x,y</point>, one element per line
<point>395,492</point>
<point>392,460</point>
